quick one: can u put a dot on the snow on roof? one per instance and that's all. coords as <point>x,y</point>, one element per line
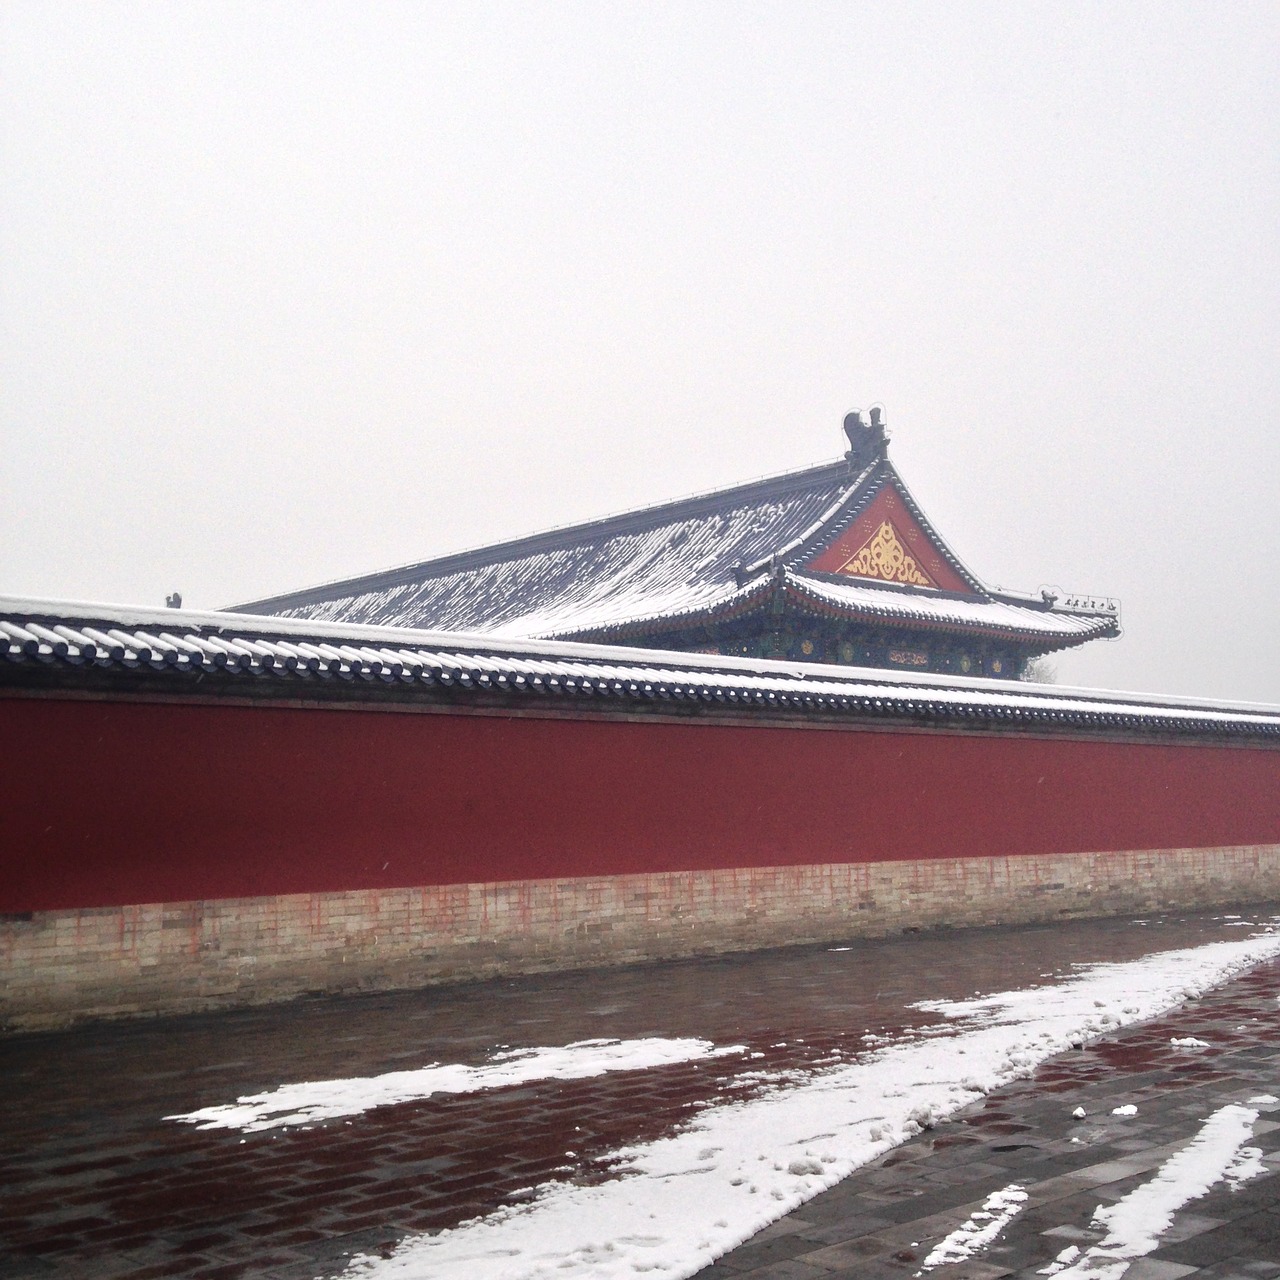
<point>107,647</point>
<point>987,615</point>
<point>680,563</point>
<point>586,576</point>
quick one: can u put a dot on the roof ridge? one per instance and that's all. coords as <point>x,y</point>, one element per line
<point>931,530</point>
<point>870,484</point>
<point>856,485</point>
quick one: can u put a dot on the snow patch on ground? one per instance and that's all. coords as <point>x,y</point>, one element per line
<point>1135,1223</point>
<point>981,1228</point>
<point>681,1201</point>
<point>312,1102</point>
<point>1065,1258</point>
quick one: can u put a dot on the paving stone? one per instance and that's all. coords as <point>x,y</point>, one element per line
<point>1155,1269</point>
<point>1187,1225</point>
<point>786,1269</point>
<point>1238,1269</point>
<point>777,1248</point>
<point>844,1227</point>
<point>1224,1236</point>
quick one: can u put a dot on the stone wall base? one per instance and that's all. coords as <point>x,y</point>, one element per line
<point>61,966</point>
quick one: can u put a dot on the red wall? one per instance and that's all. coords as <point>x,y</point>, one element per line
<point>107,803</point>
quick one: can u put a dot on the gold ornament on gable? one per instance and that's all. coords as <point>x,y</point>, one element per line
<point>883,556</point>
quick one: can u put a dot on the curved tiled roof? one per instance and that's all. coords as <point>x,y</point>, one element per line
<point>698,560</point>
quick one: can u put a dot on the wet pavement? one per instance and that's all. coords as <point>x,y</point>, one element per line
<point>96,1183</point>
<point>884,1220</point>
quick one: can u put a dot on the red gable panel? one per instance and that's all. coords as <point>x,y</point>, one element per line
<point>887,543</point>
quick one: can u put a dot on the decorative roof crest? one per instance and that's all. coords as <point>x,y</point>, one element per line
<point>868,439</point>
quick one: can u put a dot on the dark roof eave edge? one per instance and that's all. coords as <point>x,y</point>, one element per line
<point>868,485</point>
<point>1106,628</point>
<point>861,494</point>
<point>927,525</point>
<point>745,599</point>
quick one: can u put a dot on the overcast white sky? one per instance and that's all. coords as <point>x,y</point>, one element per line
<point>296,291</point>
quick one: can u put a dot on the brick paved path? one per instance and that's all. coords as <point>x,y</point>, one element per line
<point>883,1220</point>
<point>96,1183</point>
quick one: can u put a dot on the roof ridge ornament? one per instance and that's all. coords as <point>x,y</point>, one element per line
<point>868,440</point>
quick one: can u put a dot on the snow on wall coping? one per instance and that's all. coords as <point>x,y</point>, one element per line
<point>37,635</point>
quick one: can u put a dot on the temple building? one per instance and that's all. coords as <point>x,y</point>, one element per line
<point>836,563</point>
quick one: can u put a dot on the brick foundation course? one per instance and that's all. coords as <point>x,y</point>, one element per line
<point>60,966</point>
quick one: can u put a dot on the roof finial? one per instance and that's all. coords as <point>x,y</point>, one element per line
<point>868,441</point>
